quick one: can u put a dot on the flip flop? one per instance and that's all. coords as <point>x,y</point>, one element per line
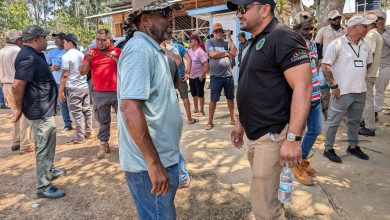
<point>208,126</point>
<point>193,121</point>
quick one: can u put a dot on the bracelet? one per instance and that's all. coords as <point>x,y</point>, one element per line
<point>335,86</point>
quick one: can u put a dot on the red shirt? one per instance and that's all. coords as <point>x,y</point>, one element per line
<point>104,69</point>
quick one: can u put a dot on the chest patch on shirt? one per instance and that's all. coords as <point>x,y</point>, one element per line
<point>298,55</point>
<point>260,44</point>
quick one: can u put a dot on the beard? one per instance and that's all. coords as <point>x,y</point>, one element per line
<point>161,34</point>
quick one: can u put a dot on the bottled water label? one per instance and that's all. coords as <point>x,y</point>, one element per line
<point>285,187</point>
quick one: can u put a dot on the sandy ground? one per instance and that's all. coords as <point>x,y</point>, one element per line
<point>96,189</point>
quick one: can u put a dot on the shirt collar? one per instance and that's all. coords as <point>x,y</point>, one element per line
<point>148,38</point>
<point>267,29</point>
<point>344,37</point>
<point>32,49</point>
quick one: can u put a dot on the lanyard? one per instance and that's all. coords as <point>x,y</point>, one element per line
<point>358,53</point>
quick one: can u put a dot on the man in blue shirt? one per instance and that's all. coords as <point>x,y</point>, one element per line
<point>149,129</point>
<point>54,59</point>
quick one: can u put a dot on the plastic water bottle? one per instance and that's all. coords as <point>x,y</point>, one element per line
<point>286,183</point>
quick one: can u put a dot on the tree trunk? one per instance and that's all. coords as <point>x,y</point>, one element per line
<point>324,7</point>
<point>296,7</point>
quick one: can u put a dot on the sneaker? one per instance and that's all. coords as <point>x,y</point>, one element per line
<point>332,156</point>
<point>51,192</point>
<point>357,152</point>
<point>56,173</point>
<point>15,147</point>
<point>366,132</point>
<point>66,129</point>
<point>104,148</point>
<point>301,175</point>
<point>362,124</point>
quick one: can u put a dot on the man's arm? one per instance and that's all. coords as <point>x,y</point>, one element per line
<point>138,129</point>
<point>300,80</point>
<point>64,78</point>
<point>217,55</point>
<point>85,66</point>
<point>205,70</point>
<point>18,88</point>
<point>232,46</point>
<point>328,74</point>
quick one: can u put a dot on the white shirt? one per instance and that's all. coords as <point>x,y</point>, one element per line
<point>7,63</point>
<point>71,61</point>
<point>341,57</point>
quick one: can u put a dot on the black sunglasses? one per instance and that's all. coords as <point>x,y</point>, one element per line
<point>244,8</point>
<point>166,13</point>
<point>336,19</point>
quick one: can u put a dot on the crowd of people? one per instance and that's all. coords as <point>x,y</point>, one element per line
<point>289,78</point>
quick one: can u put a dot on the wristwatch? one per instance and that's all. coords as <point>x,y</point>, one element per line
<point>291,137</point>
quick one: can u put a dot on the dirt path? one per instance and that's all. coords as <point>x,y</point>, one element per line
<point>96,189</point>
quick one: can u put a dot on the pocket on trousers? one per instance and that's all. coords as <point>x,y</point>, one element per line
<point>135,178</point>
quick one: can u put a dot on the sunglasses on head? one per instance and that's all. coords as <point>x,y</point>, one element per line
<point>244,8</point>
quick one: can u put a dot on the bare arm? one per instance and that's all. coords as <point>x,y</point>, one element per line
<point>300,80</point>
<point>85,67</point>
<point>18,88</point>
<point>328,74</point>
<point>138,129</point>
<point>64,78</point>
<point>233,48</point>
<point>175,57</point>
<point>189,63</point>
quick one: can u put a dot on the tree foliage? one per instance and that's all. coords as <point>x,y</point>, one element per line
<point>13,15</point>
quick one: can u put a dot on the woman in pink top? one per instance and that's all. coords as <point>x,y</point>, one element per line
<point>197,75</point>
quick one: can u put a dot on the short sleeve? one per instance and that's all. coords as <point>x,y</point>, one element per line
<point>330,53</point>
<point>135,73</point>
<point>202,55</point>
<point>370,57</point>
<point>372,39</point>
<point>48,58</point>
<point>294,50</point>
<point>209,46</point>
<point>65,62</point>
<point>319,37</point>
<point>25,68</point>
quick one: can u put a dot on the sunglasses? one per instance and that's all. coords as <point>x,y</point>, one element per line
<point>336,19</point>
<point>166,13</point>
<point>244,8</point>
<point>218,31</point>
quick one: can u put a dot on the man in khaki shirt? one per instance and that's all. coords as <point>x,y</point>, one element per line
<point>21,133</point>
<point>324,36</point>
<point>375,39</point>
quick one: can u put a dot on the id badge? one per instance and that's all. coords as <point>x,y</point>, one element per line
<point>358,63</point>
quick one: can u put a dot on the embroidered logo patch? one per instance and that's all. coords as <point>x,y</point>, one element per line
<point>260,44</point>
<point>298,55</point>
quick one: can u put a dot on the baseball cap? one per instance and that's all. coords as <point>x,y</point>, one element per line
<point>71,37</point>
<point>233,4</point>
<point>334,14</point>
<point>13,34</point>
<point>31,31</point>
<point>217,26</point>
<point>195,37</point>
<point>60,35</point>
<point>381,14</point>
<point>302,17</point>
<point>358,19</point>
<point>371,17</point>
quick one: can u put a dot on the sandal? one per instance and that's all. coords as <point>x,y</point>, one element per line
<point>208,126</point>
<point>193,121</point>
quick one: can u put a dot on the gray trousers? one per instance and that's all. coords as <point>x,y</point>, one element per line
<point>79,106</point>
<point>353,105</point>
<point>44,131</point>
<point>103,101</point>
<point>380,85</point>
<point>369,112</point>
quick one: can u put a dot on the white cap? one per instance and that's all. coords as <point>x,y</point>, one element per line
<point>358,19</point>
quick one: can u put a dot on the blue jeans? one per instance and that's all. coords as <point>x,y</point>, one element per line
<point>314,127</point>
<point>150,206</point>
<point>65,112</point>
<point>183,172</point>
<point>2,102</point>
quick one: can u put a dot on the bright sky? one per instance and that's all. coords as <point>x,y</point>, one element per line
<point>308,2</point>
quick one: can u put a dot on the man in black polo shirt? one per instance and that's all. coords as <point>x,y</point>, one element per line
<point>273,99</point>
<point>36,94</point>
